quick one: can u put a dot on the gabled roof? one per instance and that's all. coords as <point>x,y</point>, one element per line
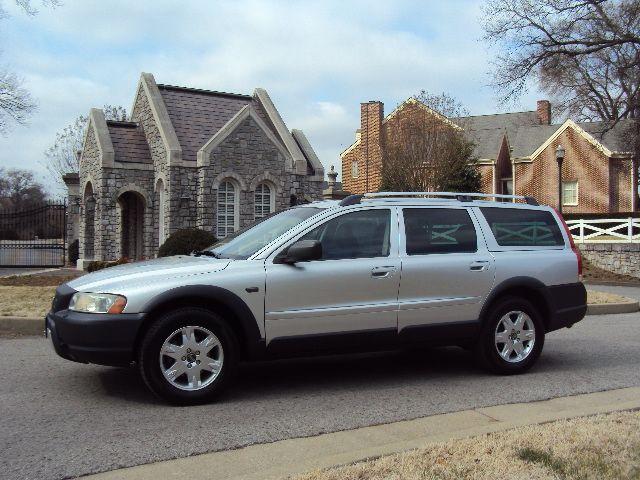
<point>525,135</point>
<point>197,115</point>
<point>129,143</point>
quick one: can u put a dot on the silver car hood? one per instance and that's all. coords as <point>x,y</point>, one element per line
<point>148,271</point>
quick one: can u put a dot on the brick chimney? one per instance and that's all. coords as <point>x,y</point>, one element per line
<point>544,112</point>
<point>371,116</point>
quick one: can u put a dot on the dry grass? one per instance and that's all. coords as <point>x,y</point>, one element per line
<point>40,280</point>
<point>594,297</point>
<point>604,447</point>
<point>25,301</point>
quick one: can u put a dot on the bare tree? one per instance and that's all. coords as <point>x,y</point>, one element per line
<point>424,151</point>
<point>19,189</point>
<point>573,38</point>
<point>62,156</point>
<point>16,104</point>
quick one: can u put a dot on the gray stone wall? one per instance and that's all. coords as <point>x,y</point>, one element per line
<point>118,181</point>
<point>90,169</point>
<point>623,258</point>
<point>248,157</point>
<point>143,114</point>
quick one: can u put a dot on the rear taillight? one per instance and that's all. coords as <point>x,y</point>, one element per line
<point>572,243</point>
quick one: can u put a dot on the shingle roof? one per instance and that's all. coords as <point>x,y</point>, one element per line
<point>197,115</point>
<point>525,134</point>
<point>615,138</point>
<point>129,142</point>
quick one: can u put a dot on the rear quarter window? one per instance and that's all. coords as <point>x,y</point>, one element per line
<point>439,230</point>
<point>519,227</point>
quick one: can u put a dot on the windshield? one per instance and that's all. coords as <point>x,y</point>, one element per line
<point>244,243</point>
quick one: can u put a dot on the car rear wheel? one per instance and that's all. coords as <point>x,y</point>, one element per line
<point>512,337</point>
<point>188,356</point>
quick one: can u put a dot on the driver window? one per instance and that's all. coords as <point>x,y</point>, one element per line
<point>361,234</point>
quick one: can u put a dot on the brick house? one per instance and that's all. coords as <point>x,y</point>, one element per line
<point>187,158</point>
<point>516,154</point>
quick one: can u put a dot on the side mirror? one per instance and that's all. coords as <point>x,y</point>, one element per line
<point>303,251</point>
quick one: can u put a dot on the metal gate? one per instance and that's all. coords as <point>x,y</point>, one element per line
<point>33,236</point>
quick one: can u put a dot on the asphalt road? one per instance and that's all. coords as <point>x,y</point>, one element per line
<point>61,419</point>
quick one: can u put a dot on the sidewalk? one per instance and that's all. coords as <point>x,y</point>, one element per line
<point>288,457</point>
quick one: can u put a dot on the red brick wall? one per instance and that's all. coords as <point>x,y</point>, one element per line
<point>583,162</point>
<point>486,178</point>
<point>350,184</point>
<point>621,197</point>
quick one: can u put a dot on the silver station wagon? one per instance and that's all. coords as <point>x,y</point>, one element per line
<point>372,272</point>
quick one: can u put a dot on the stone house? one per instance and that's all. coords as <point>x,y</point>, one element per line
<point>517,155</point>
<point>187,158</point>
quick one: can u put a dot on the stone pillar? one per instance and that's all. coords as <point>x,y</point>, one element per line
<point>72,181</point>
<point>332,192</point>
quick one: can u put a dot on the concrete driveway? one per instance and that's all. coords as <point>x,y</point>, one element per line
<point>61,419</point>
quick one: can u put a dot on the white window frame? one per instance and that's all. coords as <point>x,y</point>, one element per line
<point>236,208</point>
<point>564,193</point>
<point>355,169</point>
<point>272,200</point>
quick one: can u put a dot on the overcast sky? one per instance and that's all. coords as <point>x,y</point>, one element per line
<point>317,60</point>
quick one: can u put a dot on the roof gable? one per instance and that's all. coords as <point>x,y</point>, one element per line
<point>197,115</point>
<point>203,154</point>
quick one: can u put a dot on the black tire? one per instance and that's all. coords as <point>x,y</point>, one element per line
<point>149,355</point>
<point>486,351</point>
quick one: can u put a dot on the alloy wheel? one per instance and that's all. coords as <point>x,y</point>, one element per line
<point>191,358</point>
<point>515,336</point>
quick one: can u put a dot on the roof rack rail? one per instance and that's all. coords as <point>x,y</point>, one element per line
<point>462,197</point>
<point>351,200</point>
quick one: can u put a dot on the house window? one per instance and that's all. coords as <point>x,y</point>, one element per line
<point>227,216</point>
<point>507,186</point>
<point>354,169</point>
<point>264,201</point>
<point>570,193</point>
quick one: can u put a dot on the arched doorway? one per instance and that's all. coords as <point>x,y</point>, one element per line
<point>89,203</point>
<point>132,207</point>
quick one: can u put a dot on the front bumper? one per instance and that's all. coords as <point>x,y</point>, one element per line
<point>569,305</point>
<point>94,338</point>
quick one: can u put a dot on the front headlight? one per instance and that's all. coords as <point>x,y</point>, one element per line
<point>97,303</point>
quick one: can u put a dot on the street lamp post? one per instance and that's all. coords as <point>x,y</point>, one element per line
<point>560,158</point>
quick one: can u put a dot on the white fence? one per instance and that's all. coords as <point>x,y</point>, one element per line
<point>609,230</point>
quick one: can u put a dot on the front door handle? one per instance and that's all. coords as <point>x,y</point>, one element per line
<point>382,272</point>
<point>479,265</point>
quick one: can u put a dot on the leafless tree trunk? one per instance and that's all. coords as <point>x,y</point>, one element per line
<point>424,151</point>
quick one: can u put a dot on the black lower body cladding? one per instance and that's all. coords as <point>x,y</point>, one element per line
<point>569,305</point>
<point>94,337</point>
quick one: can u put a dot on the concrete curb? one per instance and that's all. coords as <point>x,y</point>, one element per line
<point>299,455</point>
<point>22,325</point>
<point>613,308</point>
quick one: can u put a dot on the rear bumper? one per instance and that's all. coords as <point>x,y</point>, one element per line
<point>568,305</point>
<point>94,338</point>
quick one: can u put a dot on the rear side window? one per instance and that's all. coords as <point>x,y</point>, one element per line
<point>523,227</point>
<point>439,230</point>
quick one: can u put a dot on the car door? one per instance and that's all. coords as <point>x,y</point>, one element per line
<point>447,272</point>
<point>346,299</point>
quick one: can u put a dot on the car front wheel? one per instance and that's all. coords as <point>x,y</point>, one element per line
<point>512,337</point>
<point>188,356</point>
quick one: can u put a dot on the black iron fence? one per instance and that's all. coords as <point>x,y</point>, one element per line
<point>33,236</point>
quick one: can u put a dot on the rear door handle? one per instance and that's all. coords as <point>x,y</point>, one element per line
<point>382,272</point>
<point>479,265</point>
